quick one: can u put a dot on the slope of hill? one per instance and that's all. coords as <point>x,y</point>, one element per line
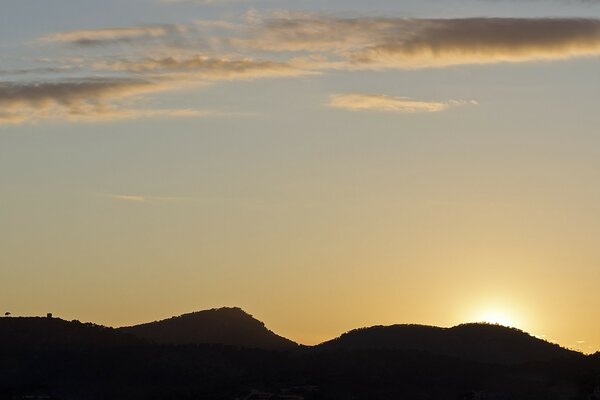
<point>36,334</point>
<point>227,326</point>
<point>476,342</point>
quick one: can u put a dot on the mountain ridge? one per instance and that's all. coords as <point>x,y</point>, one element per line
<point>471,341</point>
<point>50,358</point>
<point>232,326</point>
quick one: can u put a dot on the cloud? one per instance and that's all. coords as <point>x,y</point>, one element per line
<point>351,43</point>
<point>105,99</point>
<point>440,43</point>
<point>406,43</point>
<point>98,114</point>
<point>80,100</point>
<point>384,103</point>
<point>127,197</point>
<point>37,71</point>
<point>281,44</point>
<point>354,43</point>
<point>70,93</point>
<point>313,33</point>
<point>12,118</point>
<point>147,199</point>
<point>200,67</point>
<point>111,35</point>
<point>112,113</point>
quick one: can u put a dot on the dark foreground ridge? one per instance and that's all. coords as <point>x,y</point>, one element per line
<point>227,354</point>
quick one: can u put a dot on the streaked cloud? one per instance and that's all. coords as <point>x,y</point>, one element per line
<point>440,43</point>
<point>314,33</point>
<point>135,198</point>
<point>201,67</point>
<point>354,43</point>
<point>423,43</point>
<point>70,92</point>
<point>97,114</point>
<point>81,100</point>
<point>384,103</point>
<point>107,35</point>
<point>128,197</point>
<point>277,45</point>
<point>12,118</point>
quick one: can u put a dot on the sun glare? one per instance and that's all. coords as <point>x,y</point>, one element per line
<point>500,317</point>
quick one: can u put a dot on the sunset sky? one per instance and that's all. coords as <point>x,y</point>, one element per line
<point>325,165</point>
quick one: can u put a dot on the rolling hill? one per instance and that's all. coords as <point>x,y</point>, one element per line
<point>227,326</point>
<point>40,334</point>
<point>226,354</point>
<point>476,342</point>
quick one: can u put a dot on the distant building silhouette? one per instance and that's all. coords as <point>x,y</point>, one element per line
<point>49,315</point>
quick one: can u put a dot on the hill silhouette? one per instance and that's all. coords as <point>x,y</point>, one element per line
<point>227,326</point>
<point>477,342</point>
<point>228,354</point>
<point>37,334</point>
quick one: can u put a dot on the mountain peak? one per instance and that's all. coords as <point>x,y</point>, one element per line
<point>228,326</point>
<point>223,312</point>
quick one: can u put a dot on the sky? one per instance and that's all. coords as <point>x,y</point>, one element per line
<point>325,165</point>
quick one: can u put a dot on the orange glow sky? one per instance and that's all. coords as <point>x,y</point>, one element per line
<point>323,166</point>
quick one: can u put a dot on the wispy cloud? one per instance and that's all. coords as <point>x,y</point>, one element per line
<point>70,93</point>
<point>278,45</point>
<point>423,43</point>
<point>126,197</point>
<point>200,67</point>
<point>368,43</point>
<point>12,118</point>
<point>108,35</point>
<point>114,98</point>
<point>84,100</point>
<point>384,103</point>
<point>147,199</point>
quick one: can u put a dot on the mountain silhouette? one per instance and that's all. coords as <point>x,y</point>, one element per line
<point>477,342</point>
<point>226,326</point>
<point>227,354</point>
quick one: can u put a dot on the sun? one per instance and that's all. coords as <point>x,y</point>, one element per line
<point>496,316</point>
